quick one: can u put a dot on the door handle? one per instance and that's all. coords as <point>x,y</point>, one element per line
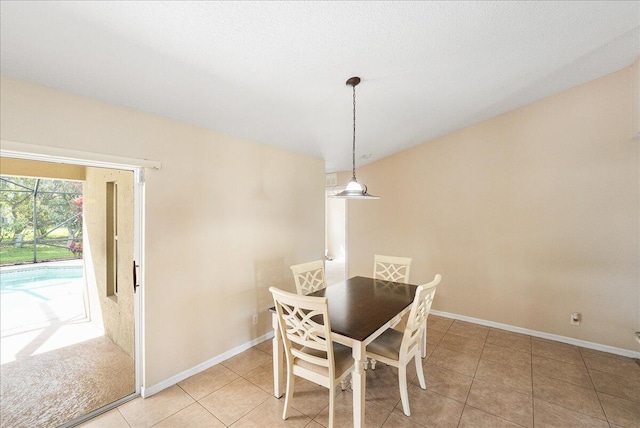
<point>135,276</point>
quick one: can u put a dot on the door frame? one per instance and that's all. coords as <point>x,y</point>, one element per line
<point>11,149</point>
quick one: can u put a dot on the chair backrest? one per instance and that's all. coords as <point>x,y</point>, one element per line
<point>309,277</point>
<point>390,268</point>
<point>419,311</point>
<point>304,320</point>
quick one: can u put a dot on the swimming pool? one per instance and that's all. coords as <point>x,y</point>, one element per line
<point>38,277</point>
<point>35,296</point>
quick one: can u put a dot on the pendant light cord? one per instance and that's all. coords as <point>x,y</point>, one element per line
<point>354,131</point>
<point>354,190</point>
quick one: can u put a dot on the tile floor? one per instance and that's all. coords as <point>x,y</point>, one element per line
<point>476,377</point>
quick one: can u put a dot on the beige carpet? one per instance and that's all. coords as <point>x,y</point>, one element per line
<point>49,389</point>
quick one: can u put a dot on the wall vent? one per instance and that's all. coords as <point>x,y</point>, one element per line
<point>331,180</point>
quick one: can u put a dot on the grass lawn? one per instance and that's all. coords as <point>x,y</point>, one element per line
<point>12,254</point>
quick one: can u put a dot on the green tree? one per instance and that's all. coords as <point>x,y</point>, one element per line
<point>16,212</point>
<point>58,204</point>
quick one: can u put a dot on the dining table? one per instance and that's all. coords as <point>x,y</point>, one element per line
<point>360,309</point>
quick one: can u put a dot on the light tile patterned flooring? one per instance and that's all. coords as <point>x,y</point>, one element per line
<point>476,377</point>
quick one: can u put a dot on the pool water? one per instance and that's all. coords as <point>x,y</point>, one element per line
<point>38,277</point>
<point>39,296</point>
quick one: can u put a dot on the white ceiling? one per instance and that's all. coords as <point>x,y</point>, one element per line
<point>275,72</point>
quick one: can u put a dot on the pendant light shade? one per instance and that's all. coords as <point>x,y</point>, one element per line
<point>354,189</point>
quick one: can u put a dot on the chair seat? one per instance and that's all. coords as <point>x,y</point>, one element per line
<point>387,344</point>
<point>304,320</point>
<point>398,348</point>
<point>342,355</point>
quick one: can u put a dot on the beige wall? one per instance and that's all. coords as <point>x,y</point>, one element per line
<point>113,313</point>
<point>225,218</point>
<point>529,216</point>
<point>28,168</point>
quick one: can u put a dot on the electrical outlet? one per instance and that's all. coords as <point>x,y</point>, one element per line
<point>255,319</point>
<point>576,317</point>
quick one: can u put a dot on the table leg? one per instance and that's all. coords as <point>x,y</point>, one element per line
<point>278,350</point>
<point>358,378</point>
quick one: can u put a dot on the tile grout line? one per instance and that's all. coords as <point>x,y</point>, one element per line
<point>594,387</point>
<point>512,390</point>
<point>123,417</point>
<point>583,357</point>
<point>533,397</point>
<point>178,411</point>
<point>207,410</point>
<point>472,379</point>
<point>574,410</point>
<point>561,380</point>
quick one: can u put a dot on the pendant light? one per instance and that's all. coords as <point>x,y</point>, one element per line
<point>354,189</point>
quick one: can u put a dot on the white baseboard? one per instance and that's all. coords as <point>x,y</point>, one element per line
<point>564,339</point>
<point>154,389</point>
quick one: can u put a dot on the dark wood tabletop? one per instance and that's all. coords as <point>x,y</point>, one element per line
<point>359,306</point>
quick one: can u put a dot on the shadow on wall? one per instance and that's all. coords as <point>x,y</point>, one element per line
<point>268,272</point>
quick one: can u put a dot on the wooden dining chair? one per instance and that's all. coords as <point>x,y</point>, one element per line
<point>309,277</point>
<point>397,349</point>
<point>391,268</point>
<point>303,322</point>
<point>395,269</point>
